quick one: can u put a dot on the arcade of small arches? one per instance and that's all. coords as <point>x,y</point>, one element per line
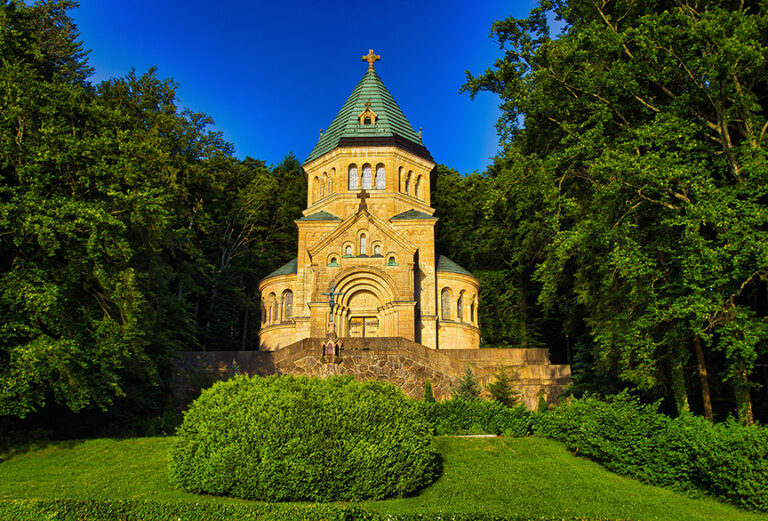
<point>367,179</point>
<point>465,310</point>
<point>276,310</point>
<point>363,247</point>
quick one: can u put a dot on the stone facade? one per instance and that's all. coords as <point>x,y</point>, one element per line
<point>399,361</point>
<point>368,233</point>
<point>403,312</point>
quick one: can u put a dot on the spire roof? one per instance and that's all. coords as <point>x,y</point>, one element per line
<point>388,125</point>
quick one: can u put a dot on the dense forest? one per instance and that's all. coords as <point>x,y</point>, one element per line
<point>623,225</point>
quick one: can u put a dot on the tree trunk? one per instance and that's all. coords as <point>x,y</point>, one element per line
<point>743,399</point>
<point>706,397</point>
<point>677,369</point>
<point>245,330</point>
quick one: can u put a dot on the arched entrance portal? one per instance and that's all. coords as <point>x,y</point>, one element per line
<point>364,319</point>
<point>365,307</point>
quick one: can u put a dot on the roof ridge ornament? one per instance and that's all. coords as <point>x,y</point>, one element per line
<point>371,58</point>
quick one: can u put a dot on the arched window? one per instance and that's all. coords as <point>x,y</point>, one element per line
<point>380,181</point>
<point>460,308</point>
<point>287,305</point>
<point>367,177</point>
<point>273,308</point>
<point>348,251</point>
<point>315,186</point>
<point>362,244</point>
<point>377,249</point>
<point>330,181</point>
<point>353,181</point>
<point>263,312</point>
<point>408,183</point>
<point>400,179</point>
<point>473,311</point>
<point>417,188</point>
<point>324,186</point>
<point>445,304</point>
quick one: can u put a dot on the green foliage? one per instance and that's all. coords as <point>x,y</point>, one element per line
<point>429,396</point>
<point>480,234</point>
<point>134,510</point>
<point>542,405</point>
<point>726,460</point>
<point>501,389</point>
<point>129,232</point>
<point>479,474</point>
<point>171,417</point>
<point>463,416</point>
<point>286,438</point>
<point>468,387</point>
<point>634,147</point>
<point>138,510</point>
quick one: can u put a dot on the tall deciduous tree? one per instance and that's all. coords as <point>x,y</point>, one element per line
<point>641,132</point>
<point>128,231</point>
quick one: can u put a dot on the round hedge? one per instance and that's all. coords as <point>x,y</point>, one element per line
<point>296,438</point>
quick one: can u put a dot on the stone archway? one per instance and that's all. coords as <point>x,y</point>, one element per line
<point>365,307</point>
<point>364,314</point>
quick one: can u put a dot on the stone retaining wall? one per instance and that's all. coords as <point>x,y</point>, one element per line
<point>397,360</point>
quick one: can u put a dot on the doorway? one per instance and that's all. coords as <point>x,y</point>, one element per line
<point>364,327</point>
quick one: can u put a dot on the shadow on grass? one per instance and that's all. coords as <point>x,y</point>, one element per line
<point>19,443</point>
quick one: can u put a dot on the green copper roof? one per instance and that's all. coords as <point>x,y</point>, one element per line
<point>319,216</point>
<point>411,214</point>
<point>286,269</point>
<point>447,265</point>
<point>390,128</point>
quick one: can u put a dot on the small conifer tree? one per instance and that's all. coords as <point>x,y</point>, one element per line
<point>543,405</point>
<point>501,389</point>
<point>429,397</point>
<point>468,388</point>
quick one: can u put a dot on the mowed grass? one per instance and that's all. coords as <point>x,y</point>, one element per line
<point>537,478</point>
<point>527,477</point>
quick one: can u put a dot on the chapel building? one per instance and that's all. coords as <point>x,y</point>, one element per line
<point>367,239</point>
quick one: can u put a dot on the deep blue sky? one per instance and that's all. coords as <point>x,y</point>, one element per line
<point>272,74</point>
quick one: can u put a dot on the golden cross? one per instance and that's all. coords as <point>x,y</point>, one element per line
<point>371,58</point>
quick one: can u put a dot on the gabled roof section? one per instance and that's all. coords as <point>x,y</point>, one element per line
<point>389,128</point>
<point>410,215</point>
<point>290,267</point>
<point>446,265</point>
<point>381,225</point>
<point>320,216</point>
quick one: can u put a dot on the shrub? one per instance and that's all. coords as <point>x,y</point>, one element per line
<point>501,389</point>
<point>726,460</point>
<point>297,438</point>
<point>468,387</point>
<point>429,396</point>
<point>542,406</point>
<point>462,416</point>
<point>616,431</point>
<point>140,510</point>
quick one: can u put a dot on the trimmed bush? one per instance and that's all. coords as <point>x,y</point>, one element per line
<point>463,416</point>
<point>137,510</point>
<point>297,438</point>
<point>727,460</point>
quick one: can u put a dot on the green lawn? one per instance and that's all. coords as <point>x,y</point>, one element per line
<point>528,477</point>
